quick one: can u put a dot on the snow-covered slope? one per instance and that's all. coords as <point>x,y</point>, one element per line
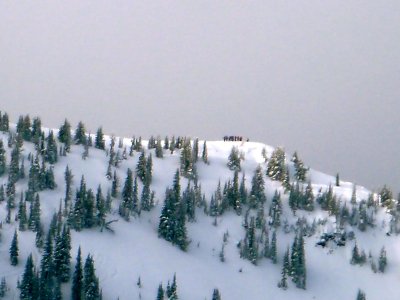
<point>134,249</point>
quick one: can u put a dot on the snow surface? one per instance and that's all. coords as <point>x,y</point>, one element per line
<point>135,250</point>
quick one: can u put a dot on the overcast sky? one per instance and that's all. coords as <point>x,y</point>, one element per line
<point>319,77</point>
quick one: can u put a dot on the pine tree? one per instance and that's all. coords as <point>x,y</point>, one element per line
<point>47,269</point>
<point>3,287</point>
<point>2,194</point>
<point>160,292</point>
<point>80,134</point>
<point>216,295</point>
<point>300,170</point>
<point>146,197</point>
<point>298,267</point>
<point>257,193</point>
<point>64,135</point>
<point>36,130</point>
<point>3,162</point>
<point>77,279</point>
<point>68,177</point>
<point>22,217</point>
<point>386,197</point>
<point>101,207</point>
<point>234,159</point>
<point>99,139</point>
<point>62,256</point>
<point>127,195</point>
<point>141,167</point>
<point>337,180</point>
<point>14,250</point>
<point>382,260</point>
<point>186,159</point>
<point>34,215</point>
<point>29,288</point>
<point>361,295</point>
<point>91,287</point>
<point>172,225</point>
<point>285,271</point>
<point>273,251</point>
<point>149,170</point>
<point>276,165</point>
<point>204,155</point>
<point>51,151</point>
<point>115,185</point>
<point>13,170</point>
<point>250,248</point>
<point>275,210</point>
<point>159,149</point>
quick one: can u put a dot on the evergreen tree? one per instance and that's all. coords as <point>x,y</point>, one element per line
<point>382,260</point>
<point>186,160</point>
<point>195,150</point>
<point>101,207</point>
<point>68,177</point>
<point>29,288</point>
<point>34,215</point>
<point>300,170</point>
<point>172,226</point>
<point>3,162</point>
<point>276,165</point>
<point>22,217</point>
<point>62,256</point>
<point>166,143</point>
<point>159,149</point>
<point>47,269</point>
<point>204,155</point>
<point>275,210</point>
<point>298,266</point>
<point>353,199</point>
<point>3,287</point>
<point>14,250</point>
<point>51,151</point>
<point>88,209</point>
<point>160,293</point>
<point>146,198</point>
<point>149,170</point>
<point>285,271</point>
<point>99,139</point>
<point>36,130</point>
<point>308,202</point>
<point>4,124</point>
<point>64,135</point>
<point>115,185</point>
<point>337,181</point>
<point>172,291</point>
<point>91,287</point>
<point>250,247</point>
<point>234,159</point>
<point>135,198</point>
<point>141,167</point>
<point>2,193</point>
<point>386,197</point>
<point>361,295</point>
<point>127,195</point>
<point>273,251</point>
<point>216,295</point>
<point>77,279</point>
<point>257,193</point>
<point>13,170</point>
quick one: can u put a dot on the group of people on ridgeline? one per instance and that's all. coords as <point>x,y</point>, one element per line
<point>234,138</point>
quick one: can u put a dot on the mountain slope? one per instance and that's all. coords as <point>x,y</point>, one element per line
<point>134,249</point>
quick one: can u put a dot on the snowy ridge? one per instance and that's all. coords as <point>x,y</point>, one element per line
<point>134,249</point>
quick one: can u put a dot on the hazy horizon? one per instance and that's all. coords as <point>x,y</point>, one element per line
<point>321,78</point>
